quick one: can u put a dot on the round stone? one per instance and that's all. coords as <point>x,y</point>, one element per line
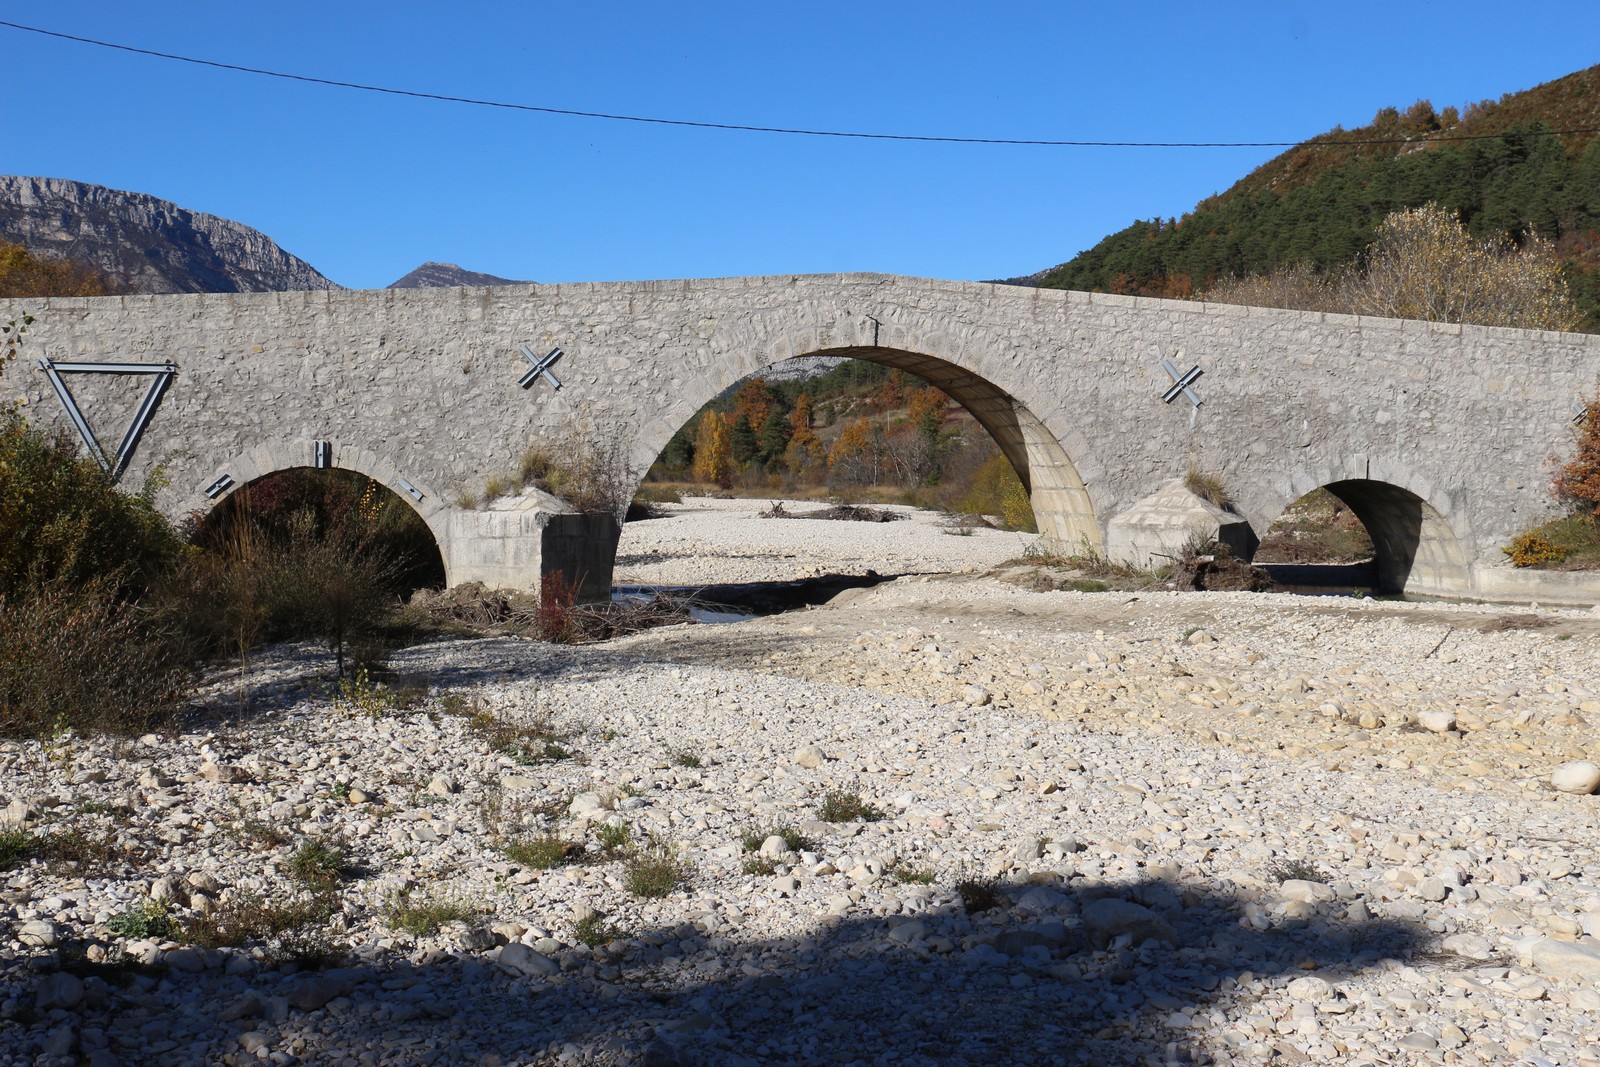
<point>1577,776</point>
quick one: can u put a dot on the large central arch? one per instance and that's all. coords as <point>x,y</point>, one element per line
<point>1060,499</point>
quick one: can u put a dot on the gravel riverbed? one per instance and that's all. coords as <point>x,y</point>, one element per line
<point>1216,828</point>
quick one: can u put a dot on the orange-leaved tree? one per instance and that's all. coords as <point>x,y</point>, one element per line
<point>1579,479</point>
<point>713,450</point>
<point>24,274</point>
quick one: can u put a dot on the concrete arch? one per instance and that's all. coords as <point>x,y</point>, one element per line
<point>1061,501</point>
<point>1416,547</point>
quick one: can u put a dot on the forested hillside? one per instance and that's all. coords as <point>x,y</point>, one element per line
<point>1528,163</point>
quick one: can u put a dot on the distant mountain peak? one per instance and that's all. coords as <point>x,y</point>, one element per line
<point>434,275</point>
<point>144,244</point>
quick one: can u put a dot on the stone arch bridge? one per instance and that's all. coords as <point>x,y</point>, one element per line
<point>1439,437</point>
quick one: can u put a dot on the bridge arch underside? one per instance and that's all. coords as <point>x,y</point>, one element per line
<point>1061,503</point>
<point>1414,547</point>
<point>276,458</point>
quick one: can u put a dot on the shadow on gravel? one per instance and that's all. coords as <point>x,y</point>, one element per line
<point>1039,983</point>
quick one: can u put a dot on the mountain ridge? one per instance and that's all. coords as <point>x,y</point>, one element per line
<point>144,244</point>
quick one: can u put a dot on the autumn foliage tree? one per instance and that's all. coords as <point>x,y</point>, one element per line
<point>1578,480</point>
<point>713,449</point>
<point>1425,265</point>
<point>24,274</point>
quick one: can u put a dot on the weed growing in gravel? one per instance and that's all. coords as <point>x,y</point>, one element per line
<point>655,872</point>
<point>1295,870</point>
<point>279,924</point>
<point>685,757</point>
<point>59,849</point>
<point>14,846</point>
<point>613,837</point>
<point>421,918</point>
<point>753,837</point>
<point>757,865</point>
<point>978,894</point>
<point>359,695</point>
<point>534,741</point>
<point>147,919</point>
<point>540,853</point>
<point>594,930</point>
<point>259,834</point>
<point>319,864</point>
<point>908,875</point>
<point>846,805</point>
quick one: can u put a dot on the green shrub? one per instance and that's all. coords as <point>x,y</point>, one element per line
<point>540,853</point>
<point>148,919</point>
<point>655,872</point>
<point>1295,870</point>
<point>255,917</point>
<point>595,930</point>
<point>63,522</point>
<point>422,918</point>
<point>15,846</point>
<point>614,837</point>
<point>319,864</point>
<point>840,805</point>
<point>754,837</point>
<point>978,894</point>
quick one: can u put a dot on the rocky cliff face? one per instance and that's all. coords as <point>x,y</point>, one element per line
<point>144,244</point>
<point>433,275</point>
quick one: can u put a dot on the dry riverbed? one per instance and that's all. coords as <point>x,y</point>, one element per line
<point>1219,828</point>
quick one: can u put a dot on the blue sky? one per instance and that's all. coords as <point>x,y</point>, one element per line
<point>366,187</point>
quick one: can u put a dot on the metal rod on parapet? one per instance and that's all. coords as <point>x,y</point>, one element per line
<point>147,407</point>
<point>52,371</point>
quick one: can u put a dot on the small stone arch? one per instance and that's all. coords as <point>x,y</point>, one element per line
<point>274,456</point>
<point>1416,548</point>
<point>1061,500</point>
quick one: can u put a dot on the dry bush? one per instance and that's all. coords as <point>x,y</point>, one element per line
<point>1425,265</point>
<point>585,468</point>
<point>1208,487</point>
<point>1297,288</point>
<point>1208,564</point>
<point>79,658</point>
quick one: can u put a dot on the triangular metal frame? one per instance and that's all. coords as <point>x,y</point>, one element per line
<point>163,374</point>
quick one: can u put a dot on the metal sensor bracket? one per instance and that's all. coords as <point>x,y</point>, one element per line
<point>218,487</point>
<point>540,368</point>
<point>412,491</point>
<point>1181,383</point>
<point>162,376</point>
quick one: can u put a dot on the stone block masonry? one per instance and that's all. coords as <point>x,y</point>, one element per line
<point>1440,437</point>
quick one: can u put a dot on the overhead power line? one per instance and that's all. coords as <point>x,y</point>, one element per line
<point>738,127</point>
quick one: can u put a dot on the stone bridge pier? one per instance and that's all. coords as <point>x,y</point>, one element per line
<point>1439,437</point>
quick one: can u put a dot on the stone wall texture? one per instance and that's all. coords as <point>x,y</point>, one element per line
<point>1442,437</point>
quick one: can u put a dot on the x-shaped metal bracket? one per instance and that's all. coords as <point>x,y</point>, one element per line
<point>539,367</point>
<point>1181,383</point>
